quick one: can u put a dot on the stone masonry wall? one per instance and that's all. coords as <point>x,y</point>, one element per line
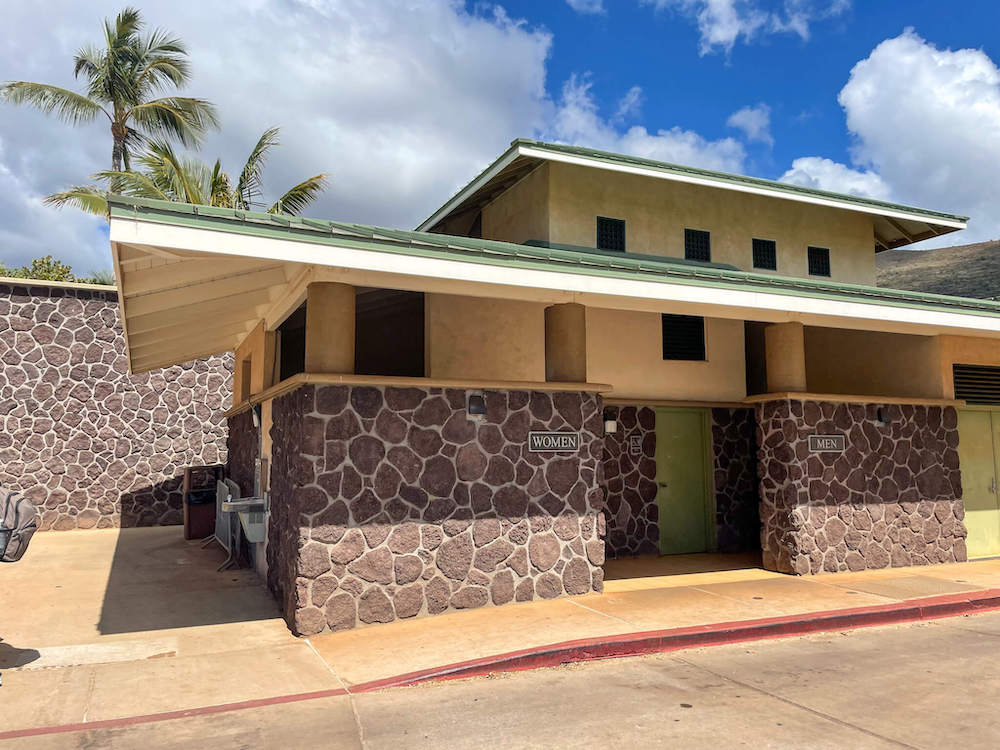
<point>630,484</point>
<point>893,498</point>
<point>734,477</point>
<point>390,503</point>
<point>243,449</point>
<point>90,444</point>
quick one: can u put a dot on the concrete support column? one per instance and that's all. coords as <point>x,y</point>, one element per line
<point>330,327</point>
<point>784,344</point>
<point>566,343</point>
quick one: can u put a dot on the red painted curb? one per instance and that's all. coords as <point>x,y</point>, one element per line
<point>629,644</point>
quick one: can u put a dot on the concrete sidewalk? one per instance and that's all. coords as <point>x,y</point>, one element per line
<point>101,625</point>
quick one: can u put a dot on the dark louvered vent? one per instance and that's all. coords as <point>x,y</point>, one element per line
<point>977,384</point>
<point>697,245</point>
<point>683,337</point>
<point>819,261</point>
<point>765,254</point>
<point>610,234</point>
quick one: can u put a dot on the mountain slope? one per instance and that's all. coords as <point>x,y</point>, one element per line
<point>962,271</point>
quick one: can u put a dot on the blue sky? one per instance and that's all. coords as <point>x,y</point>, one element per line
<point>403,101</point>
<point>633,44</point>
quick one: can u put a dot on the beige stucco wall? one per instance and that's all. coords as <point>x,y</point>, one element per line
<point>625,349</point>
<point>522,212</point>
<point>869,363</point>
<point>657,211</point>
<point>475,337</point>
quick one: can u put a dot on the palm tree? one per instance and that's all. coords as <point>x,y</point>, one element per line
<point>125,78</point>
<point>165,175</point>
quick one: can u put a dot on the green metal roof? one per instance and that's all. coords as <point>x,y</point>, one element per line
<point>491,252</point>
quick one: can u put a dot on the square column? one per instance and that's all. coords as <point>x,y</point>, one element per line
<point>566,343</point>
<point>330,322</point>
<point>785,353</point>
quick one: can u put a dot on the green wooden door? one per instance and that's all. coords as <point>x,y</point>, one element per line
<point>682,481</point>
<point>978,433</point>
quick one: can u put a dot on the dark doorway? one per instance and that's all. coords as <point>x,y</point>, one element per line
<point>389,333</point>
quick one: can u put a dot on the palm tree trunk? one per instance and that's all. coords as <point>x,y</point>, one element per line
<point>118,132</point>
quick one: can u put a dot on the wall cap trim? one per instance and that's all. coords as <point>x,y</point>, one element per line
<point>316,378</point>
<point>850,399</point>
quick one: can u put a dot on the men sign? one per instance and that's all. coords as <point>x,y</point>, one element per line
<point>827,443</point>
<point>553,442</point>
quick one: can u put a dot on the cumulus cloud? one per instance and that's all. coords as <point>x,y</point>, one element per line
<point>926,122</point>
<point>722,23</point>
<point>586,6</point>
<point>826,174</point>
<point>577,120</point>
<point>401,104</point>
<point>755,122</point>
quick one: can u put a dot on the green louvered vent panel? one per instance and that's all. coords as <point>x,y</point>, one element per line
<point>977,384</point>
<point>683,337</point>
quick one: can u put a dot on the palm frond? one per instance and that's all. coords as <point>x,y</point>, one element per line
<point>180,117</point>
<point>87,61</point>
<point>65,104</point>
<point>88,198</point>
<point>133,184</point>
<point>220,190</point>
<point>300,196</point>
<point>163,62</point>
<point>248,187</point>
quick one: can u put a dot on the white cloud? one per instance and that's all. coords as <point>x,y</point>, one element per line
<point>401,103</point>
<point>630,104</point>
<point>825,174</point>
<point>722,23</point>
<point>755,122</point>
<point>578,121</point>
<point>926,122</point>
<point>586,6</point>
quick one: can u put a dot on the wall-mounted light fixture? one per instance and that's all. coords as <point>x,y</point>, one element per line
<point>476,406</point>
<point>610,421</point>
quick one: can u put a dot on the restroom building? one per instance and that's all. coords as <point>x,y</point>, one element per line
<point>579,356</point>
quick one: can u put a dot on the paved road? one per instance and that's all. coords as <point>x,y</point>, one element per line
<point>928,685</point>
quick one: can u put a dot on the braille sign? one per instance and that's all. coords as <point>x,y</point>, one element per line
<point>827,443</point>
<point>635,445</point>
<point>553,442</point>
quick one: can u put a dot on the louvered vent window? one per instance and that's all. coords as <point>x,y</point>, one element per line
<point>611,234</point>
<point>765,255</point>
<point>697,245</point>
<point>977,384</point>
<point>819,261</point>
<point>683,337</point>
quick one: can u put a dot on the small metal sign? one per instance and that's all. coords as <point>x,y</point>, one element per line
<point>635,445</point>
<point>553,442</point>
<point>827,443</point>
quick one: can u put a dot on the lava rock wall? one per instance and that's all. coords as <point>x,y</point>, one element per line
<point>892,498</point>
<point>389,503</point>
<point>734,478</point>
<point>630,484</point>
<point>88,443</point>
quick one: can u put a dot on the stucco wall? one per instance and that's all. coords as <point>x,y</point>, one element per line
<point>476,337</point>
<point>656,213</point>
<point>964,350</point>
<point>625,349</point>
<point>521,213</point>
<point>389,503</point>
<point>892,498</point>
<point>83,439</point>
<point>872,364</point>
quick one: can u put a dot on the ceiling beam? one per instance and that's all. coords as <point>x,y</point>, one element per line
<point>220,312</point>
<point>899,228</point>
<point>177,333</point>
<point>290,300</point>
<point>158,359</point>
<point>198,270</point>
<point>234,287</point>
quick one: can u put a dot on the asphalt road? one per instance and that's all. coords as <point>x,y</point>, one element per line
<point>927,685</point>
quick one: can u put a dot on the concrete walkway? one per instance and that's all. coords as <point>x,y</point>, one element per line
<point>99,625</point>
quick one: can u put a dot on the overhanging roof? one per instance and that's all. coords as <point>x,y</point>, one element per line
<point>895,225</point>
<point>194,280</point>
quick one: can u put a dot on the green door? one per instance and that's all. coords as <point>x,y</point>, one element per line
<point>978,433</point>
<point>682,481</point>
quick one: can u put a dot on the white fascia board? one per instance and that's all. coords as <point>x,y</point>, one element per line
<point>917,321</point>
<point>708,182</point>
<point>501,164</point>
